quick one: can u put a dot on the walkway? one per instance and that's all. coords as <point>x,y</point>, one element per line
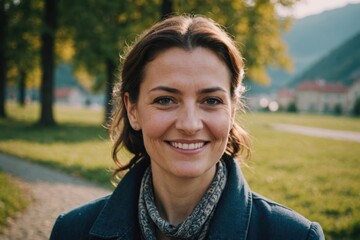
<point>319,132</point>
<point>53,193</point>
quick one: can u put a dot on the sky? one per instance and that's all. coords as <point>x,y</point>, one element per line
<point>310,7</point>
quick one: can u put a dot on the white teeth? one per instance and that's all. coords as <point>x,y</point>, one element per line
<point>186,146</point>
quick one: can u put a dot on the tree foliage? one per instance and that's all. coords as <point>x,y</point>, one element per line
<point>254,25</point>
<point>102,29</point>
<point>3,39</point>
<point>100,33</point>
<point>91,34</point>
<point>23,43</point>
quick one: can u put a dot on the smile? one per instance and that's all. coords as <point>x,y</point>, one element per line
<point>187,146</point>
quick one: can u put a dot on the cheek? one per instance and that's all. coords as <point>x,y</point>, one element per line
<point>155,125</point>
<point>220,126</point>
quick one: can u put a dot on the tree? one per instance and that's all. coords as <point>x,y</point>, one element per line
<point>100,34</point>
<point>23,44</point>
<point>166,8</point>
<point>356,109</point>
<point>3,23</point>
<point>255,25</point>
<point>338,109</point>
<point>17,31</point>
<point>101,30</point>
<point>292,107</point>
<point>47,62</point>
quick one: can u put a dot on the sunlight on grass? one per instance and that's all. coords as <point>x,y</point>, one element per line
<point>317,177</point>
<point>79,145</point>
<point>314,176</point>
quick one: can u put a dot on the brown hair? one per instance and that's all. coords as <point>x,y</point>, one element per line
<point>186,32</point>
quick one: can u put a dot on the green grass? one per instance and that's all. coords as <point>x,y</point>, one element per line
<point>317,177</point>
<point>78,145</point>
<point>12,199</point>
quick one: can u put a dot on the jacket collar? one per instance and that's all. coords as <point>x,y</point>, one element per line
<point>119,217</point>
<point>233,212</point>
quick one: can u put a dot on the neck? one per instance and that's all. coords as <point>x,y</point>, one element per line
<point>177,197</point>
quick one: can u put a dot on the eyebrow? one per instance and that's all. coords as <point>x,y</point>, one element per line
<point>176,91</point>
<point>164,88</point>
<point>211,90</point>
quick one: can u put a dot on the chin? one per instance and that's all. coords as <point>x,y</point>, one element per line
<point>191,171</point>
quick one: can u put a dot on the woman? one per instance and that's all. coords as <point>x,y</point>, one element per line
<point>175,111</point>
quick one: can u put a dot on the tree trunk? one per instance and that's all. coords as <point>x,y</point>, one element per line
<point>3,24</point>
<point>110,69</point>
<point>166,8</point>
<point>47,63</point>
<point>22,88</point>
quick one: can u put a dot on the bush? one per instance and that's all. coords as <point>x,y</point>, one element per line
<point>356,109</point>
<point>292,108</point>
<point>338,109</point>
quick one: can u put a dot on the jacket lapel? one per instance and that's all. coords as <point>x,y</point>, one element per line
<point>119,217</point>
<point>233,212</point>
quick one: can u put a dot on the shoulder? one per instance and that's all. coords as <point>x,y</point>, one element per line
<point>107,216</point>
<point>77,223</point>
<point>281,222</point>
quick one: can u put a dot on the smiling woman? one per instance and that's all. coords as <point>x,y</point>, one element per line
<point>175,108</point>
<point>182,92</point>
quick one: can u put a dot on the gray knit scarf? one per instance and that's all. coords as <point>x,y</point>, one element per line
<point>195,226</point>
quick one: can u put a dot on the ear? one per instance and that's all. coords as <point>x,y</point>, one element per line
<point>132,112</point>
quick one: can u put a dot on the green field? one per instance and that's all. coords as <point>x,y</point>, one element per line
<point>317,177</point>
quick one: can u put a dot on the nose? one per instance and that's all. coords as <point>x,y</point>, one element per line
<point>189,119</point>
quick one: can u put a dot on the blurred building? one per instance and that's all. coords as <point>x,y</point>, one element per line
<point>285,97</point>
<point>321,97</point>
<point>72,96</point>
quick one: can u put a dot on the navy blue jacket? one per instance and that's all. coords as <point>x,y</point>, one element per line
<point>240,214</point>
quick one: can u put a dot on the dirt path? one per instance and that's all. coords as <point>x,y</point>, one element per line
<point>319,132</point>
<point>53,193</point>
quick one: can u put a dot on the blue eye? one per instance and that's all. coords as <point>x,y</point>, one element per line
<point>212,101</point>
<point>164,100</point>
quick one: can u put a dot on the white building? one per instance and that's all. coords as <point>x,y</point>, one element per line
<point>322,97</point>
<point>285,97</point>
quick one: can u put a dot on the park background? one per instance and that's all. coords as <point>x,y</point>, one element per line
<point>59,62</point>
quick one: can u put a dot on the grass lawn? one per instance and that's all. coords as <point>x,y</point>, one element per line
<point>78,145</point>
<point>317,177</point>
<point>12,199</point>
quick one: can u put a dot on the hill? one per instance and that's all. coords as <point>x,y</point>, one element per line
<point>341,65</point>
<point>315,36</point>
<point>310,39</point>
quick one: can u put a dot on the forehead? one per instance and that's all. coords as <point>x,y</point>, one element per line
<point>177,65</point>
<point>198,55</point>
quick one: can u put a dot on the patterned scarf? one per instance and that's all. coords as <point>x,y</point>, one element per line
<point>195,226</point>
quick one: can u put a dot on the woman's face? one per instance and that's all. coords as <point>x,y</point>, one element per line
<point>184,111</point>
